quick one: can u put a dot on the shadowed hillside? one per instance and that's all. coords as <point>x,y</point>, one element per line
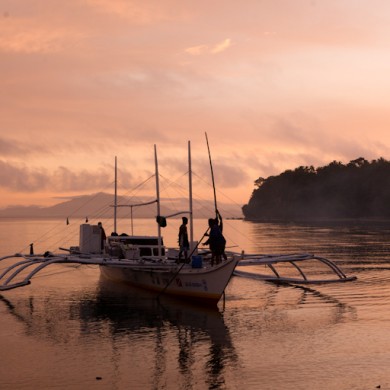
<point>359,189</point>
<point>100,206</point>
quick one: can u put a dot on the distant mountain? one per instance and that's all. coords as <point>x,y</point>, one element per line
<point>100,206</point>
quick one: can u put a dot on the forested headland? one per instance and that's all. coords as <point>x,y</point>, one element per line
<point>359,189</point>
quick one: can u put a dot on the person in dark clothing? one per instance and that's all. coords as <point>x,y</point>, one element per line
<point>183,239</point>
<point>103,236</point>
<point>216,239</point>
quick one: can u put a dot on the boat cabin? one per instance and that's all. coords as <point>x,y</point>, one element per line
<point>122,246</point>
<point>134,247</point>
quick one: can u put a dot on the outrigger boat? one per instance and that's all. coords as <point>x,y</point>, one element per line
<point>145,262</point>
<point>141,261</point>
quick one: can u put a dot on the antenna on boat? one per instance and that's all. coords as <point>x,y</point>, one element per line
<point>212,176</point>
<point>190,196</point>
<point>115,194</point>
<point>158,199</point>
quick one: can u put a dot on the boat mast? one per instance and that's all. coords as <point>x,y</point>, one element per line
<point>115,195</point>
<point>212,177</point>
<point>158,199</point>
<point>190,197</point>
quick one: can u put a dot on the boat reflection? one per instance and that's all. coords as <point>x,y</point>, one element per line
<point>127,318</point>
<point>133,312</point>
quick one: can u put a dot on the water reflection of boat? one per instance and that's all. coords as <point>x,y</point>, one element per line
<point>132,318</point>
<point>143,310</point>
<point>131,311</point>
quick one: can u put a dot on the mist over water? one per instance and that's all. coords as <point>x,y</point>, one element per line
<point>70,330</point>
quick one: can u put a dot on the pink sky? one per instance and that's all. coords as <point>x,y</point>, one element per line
<point>275,84</point>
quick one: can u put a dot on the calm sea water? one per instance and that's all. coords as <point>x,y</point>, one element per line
<point>70,330</point>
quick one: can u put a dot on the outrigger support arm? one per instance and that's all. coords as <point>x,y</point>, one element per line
<point>16,279</point>
<point>271,260</point>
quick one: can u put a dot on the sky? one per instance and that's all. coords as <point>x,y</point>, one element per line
<point>275,84</point>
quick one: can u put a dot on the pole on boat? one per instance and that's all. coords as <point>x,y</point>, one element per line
<point>190,196</point>
<point>115,194</point>
<point>212,177</point>
<point>158,199</point>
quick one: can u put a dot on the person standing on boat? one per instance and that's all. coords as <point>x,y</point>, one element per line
<point>102,236</point>
<point>216,239</point>
<point>223,240</point>
<point>183,240</point>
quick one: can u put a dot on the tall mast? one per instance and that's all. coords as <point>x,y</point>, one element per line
<point>158,199</point>
<point>115,195</point>
<point>190,196</point>
<point>212,177</point>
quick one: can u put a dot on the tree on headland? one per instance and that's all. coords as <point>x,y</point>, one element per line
<point>359,189</point>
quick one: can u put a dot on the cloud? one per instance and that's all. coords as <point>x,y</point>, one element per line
<point>220,47</point>
<point>14,148</point>
<point>84,81</point>
<point>197,50</point>
<point>208,49</point>
<point>35,40</point>
<point>41,29</point>
<point>227,174</point>
<point>138,12</point>
<point>20,178</point>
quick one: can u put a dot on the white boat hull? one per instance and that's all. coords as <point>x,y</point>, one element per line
<point>205,284</point>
